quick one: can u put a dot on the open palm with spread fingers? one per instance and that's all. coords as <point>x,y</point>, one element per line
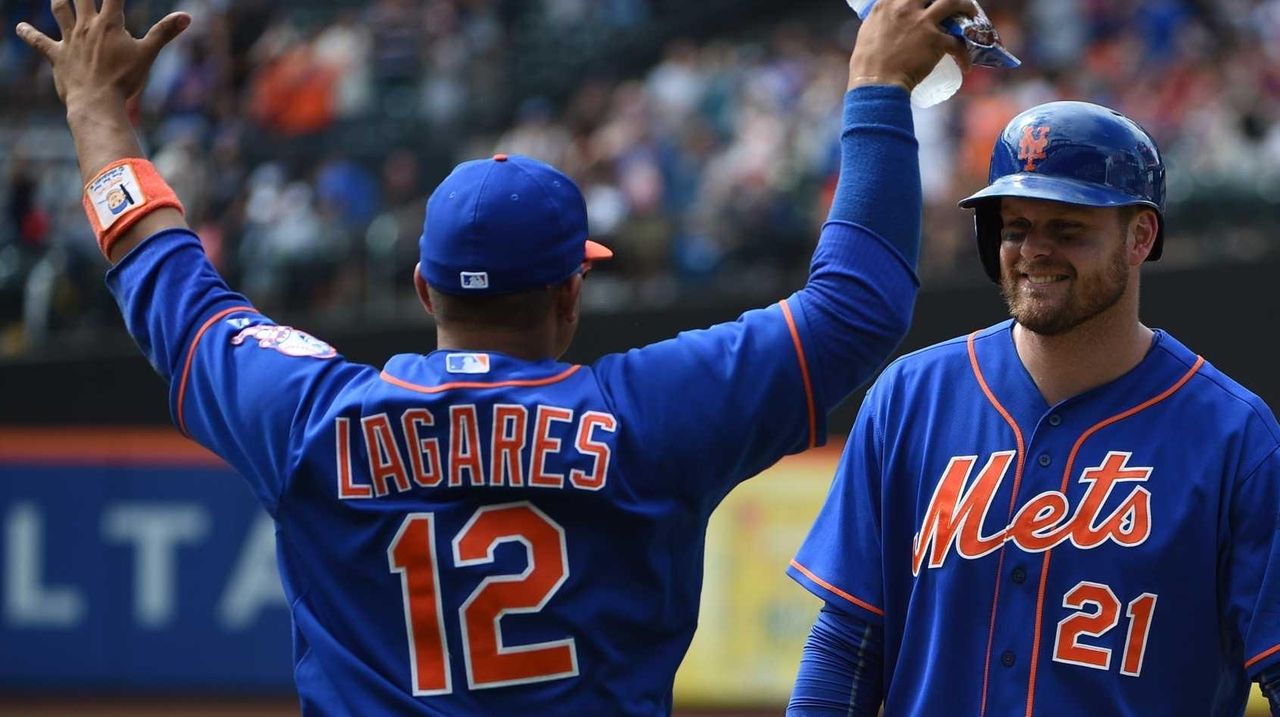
<point>97,58</point>
<point>97,67</point>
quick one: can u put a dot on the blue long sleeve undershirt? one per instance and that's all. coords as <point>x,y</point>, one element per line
<point>879,184</point>
<point>840,671</point>
<point>860,295</point>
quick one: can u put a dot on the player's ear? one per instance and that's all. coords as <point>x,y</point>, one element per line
<point>420,285</point>
<point>566,296</point>
<point>1144,226</point>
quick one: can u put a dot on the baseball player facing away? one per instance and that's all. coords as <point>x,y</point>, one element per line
<point>484,530</point>
<point>1063,514</point>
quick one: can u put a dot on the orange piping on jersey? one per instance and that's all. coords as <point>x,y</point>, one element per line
<point>809,574</point>
<point>1261,656</point>
<point>804,373</point>
<point>1066,478</point>
<point>479,384</point>
<point>191,354</point>
<point>1013,501</point>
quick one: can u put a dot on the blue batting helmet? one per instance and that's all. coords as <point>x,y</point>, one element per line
<point>1072,152</point>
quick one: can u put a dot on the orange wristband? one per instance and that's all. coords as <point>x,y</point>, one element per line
<point>122,194</point>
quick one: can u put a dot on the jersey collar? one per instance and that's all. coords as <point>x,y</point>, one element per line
<point>445,370</point>
<point>1008,380</point>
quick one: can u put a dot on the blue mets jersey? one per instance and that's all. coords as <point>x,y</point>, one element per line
<point>1114,554</point>
<point>469,533</point>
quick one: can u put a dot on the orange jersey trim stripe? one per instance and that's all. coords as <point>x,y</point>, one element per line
<point>804,373</point>
<point>74,446</point>
<point>1066,478</point>
<point>1261,656</point>
<point>809,574</point>
<point>191,354</point>
<point>1017,482</point>
<point>479,384</point>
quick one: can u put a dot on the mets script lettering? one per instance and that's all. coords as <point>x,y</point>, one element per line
<point>955,514</point>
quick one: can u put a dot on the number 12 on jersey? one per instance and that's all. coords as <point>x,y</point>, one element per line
<point>488,662</point>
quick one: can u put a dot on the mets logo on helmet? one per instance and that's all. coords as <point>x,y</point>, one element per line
<point>286,340</point>
<point>1032,147</point>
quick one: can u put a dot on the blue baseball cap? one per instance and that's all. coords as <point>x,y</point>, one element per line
<point>506,224</point>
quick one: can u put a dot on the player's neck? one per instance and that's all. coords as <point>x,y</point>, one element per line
<point>1095,353</point>
<point>530,346</point>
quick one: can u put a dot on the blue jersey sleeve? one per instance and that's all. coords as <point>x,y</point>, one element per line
<point>840,560</point>
<point>719,405</point>
<point>238,384</point>
<point>716,406</point>
<point>1253,566</point>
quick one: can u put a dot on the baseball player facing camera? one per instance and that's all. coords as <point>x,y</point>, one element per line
<point>1064,514</point>
<point>483,529</point>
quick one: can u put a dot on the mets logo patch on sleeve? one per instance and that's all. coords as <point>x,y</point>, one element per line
<point>115,193</point>
<point>285,339</point>
<point>466,363</point>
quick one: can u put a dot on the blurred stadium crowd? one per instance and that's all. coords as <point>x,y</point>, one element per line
<point>303,137</point>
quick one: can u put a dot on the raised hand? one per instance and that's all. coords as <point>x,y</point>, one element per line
<point>97,59</point>
<point>97,67</point>
<point>901,41</point>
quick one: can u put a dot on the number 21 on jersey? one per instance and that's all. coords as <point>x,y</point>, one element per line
<point>489,663</point>
<point>1098,611</point>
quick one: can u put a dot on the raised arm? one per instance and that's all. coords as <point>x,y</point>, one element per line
<point>97,67</point>
<point>856,312</point>
<point>238,384</point>
<point>753,390</point>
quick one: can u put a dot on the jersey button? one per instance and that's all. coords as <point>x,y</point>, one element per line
<point>1007,658</point>
<point>1044,460</point>
<point>1055,420</point>
<point>1019,575</point>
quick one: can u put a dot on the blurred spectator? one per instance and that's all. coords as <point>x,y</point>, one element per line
<point>290,254</point>
<point>293,92</point>
<point>398,27</point>
<point>302,137</point>
<point>536,134</point>
<point>184,167</point>
<point>345,48</point>
<point>346,193</point>
<point>27,225</point>
<point>391,242</point>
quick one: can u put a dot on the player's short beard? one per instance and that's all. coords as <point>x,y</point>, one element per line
<point>1088,297</point>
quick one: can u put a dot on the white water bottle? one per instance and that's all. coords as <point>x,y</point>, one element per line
<point>939,85</point>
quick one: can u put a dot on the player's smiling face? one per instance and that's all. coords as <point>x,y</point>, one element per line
<point>1062,264</point>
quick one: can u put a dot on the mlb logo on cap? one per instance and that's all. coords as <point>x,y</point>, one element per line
<point>503,225</point>
<point>474,280</point>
